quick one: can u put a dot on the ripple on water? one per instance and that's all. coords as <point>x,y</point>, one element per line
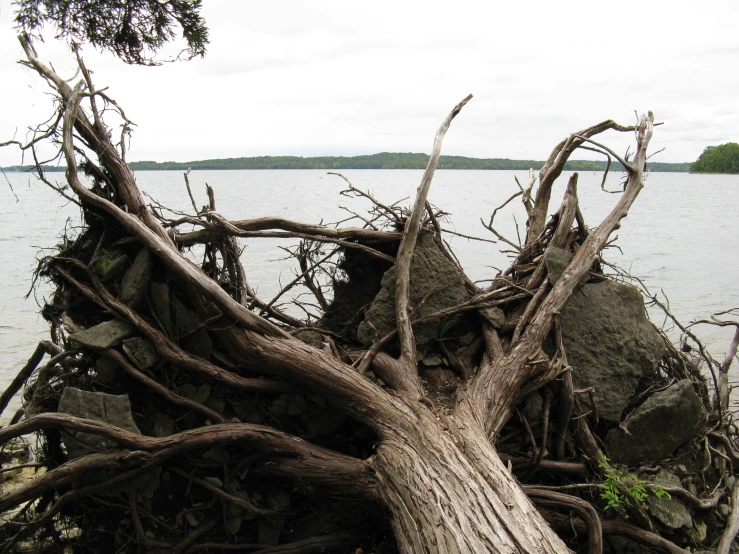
<point>681,235</point>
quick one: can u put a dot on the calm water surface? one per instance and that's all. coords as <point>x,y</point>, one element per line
<point>681,236</point>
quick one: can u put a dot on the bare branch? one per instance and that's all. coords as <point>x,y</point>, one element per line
<point>727,539</point>
<point>526,351</point>
<point>553,169</point>
<point>405,252</point>
<point>338,469</point>
<point>189,191</point>
<point>387,210</point>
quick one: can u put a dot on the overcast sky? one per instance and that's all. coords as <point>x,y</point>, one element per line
<point>343,78</point>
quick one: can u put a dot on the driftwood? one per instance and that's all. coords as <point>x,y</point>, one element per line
<point>276,436</point>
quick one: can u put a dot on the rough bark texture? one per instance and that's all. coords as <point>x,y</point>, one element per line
<point>456,496</point>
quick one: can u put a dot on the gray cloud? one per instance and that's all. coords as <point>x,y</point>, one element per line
<point>330,77</point>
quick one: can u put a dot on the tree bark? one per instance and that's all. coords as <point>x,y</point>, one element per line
<point>449,492</point>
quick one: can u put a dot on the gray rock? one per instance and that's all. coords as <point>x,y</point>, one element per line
<point>202,394</point>
<point>430,271</point>
<point>234,515</point>
<point>142,351</point>
<point>494,316</point>
<point>109,408</point>
<point>532,407</point>
<point>310,337</point>
<point>159,297</point>
<point>110,265</point>
<point>556,260</point>
<point>104,335</point>
<point>192,336</point>
<point>699,532</point>
<point>610,343</point>
<point>431,359</point>
<point>188,390</point>
<point>668,511</point>
<point>136,280</point>
<point>225,359</point>
<point>664,422</point>
<point>467,338</point>
<point>164,425</point>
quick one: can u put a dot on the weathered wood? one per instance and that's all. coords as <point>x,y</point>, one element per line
<point>43,348</point>
<point>368,236</point>
<point>732,527</point>
<point>553,168</point>
<point>455,496</point>
<point>494,389</point>
<point>408,360</point>
<point>647,538</point>
<point>323,467</point>
<point>723,378</point>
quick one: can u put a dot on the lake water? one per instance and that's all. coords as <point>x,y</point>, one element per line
<point>681,236</point>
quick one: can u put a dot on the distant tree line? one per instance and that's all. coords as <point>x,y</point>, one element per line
<point>718,159</point>
<point>384,160</point>
<point>32,168</point>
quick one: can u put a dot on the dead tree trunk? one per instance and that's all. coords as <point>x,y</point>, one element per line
<point>433,469</point>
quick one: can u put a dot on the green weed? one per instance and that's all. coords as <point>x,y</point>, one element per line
<point>615,482</point>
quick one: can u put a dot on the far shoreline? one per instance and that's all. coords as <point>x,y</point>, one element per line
<point>383,160</point>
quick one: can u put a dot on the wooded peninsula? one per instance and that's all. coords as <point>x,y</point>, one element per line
<point>383,160</point>
<point>718,159</point>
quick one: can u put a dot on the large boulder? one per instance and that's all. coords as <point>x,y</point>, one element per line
<point>663,423</point>
<point>431,272</point>
<point>610,343</point>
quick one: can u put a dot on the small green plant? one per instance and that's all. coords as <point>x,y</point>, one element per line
<point>615,482</point>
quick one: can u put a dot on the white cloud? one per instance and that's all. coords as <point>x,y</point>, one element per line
<point>329,77</point>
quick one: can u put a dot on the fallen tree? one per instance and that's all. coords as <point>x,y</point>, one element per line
<point>181,412</point>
